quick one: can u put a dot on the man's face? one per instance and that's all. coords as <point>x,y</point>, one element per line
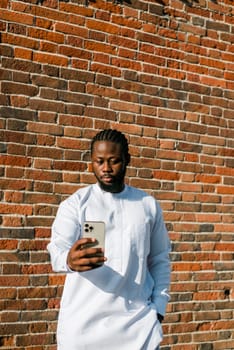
<point>109,165</point>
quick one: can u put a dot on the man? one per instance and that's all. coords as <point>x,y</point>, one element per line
<point>112,299</point>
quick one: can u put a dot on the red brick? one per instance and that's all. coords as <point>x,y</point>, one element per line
<point>14,281</point>
<point>47,117</point>
<point>224,246</point>
<point>19,41</point>
<point>14,88</point>
<point>45,128</point>
<point>69,70</point>
<point>105,69</point>
<point>45,152</point>
<point>45,140</point>
<point>166,175</point>
<point>34,340</point>
<point>16,184</point>
<point>15,209</point>
<point>67,28</point>
<point>225,190</point>
<point>46,35</point>
<point>16,17</point>
<point>42,164</point>
<point>32,245</point>
<point>36,269</point>
<point>23,53</point>
<point>9,221</point>
<point>19,101</point>
<point>208,178</point>
<point>42,232</point>
<point>15,160</point>
<point>51,59</point>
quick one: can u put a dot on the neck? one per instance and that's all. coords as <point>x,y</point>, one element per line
<point>112,189</point>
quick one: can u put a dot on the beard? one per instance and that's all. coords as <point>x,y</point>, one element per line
<point>115,185</point>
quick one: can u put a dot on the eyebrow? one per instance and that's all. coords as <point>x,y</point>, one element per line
<point>114,157</point>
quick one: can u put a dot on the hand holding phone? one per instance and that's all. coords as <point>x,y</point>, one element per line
<point>88,252</point>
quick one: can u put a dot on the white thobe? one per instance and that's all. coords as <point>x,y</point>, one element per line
<point>114,306</point>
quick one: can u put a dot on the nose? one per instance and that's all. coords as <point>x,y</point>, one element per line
<point>106,167</point>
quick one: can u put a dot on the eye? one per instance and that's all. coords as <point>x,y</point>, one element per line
<point>99,161</point>
<point>115,161</point>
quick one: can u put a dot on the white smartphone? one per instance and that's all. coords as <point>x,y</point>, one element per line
<point>95,229</point>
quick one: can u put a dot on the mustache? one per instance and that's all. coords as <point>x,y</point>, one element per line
<point>107,177</point>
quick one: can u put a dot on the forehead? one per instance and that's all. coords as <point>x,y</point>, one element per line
<point>101,148</point>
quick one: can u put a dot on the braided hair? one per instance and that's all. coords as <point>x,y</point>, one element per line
<point>113,136</point>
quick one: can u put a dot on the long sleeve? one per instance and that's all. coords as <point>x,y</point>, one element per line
<point>65,231</point>
<point>159,263</point>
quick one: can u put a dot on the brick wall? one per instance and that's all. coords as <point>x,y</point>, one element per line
<point>160,71</point>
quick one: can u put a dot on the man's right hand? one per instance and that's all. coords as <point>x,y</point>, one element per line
<point>83,257</point>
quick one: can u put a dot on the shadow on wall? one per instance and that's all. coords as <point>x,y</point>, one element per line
<point>160,2</point>
<point>130,2</point>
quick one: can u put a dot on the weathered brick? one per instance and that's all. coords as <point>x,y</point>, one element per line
<point>44,128</point>
<point>15,209</point>
<point>69,70</point>
<point>14,281</point>
<point>15,160</point>
<point>15,124</point>
<point>34,340</point>
<point>9,112</point>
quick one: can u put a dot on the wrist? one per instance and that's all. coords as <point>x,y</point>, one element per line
<point>160,317</point>
<point>70,269</point>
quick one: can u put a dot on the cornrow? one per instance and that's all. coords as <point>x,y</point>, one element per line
<point>113,136</point>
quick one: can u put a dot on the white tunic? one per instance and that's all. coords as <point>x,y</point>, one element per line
<point>114,306</point>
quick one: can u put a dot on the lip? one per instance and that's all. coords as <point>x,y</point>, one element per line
<point>107,178</point>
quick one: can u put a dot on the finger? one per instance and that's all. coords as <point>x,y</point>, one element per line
<point>87,251</point>
<point>81,242</point>
<point>88,256</point>
<point>92,260</point>
<point>86,241</point>
<point>75,256</point>
<point>87,264</point>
